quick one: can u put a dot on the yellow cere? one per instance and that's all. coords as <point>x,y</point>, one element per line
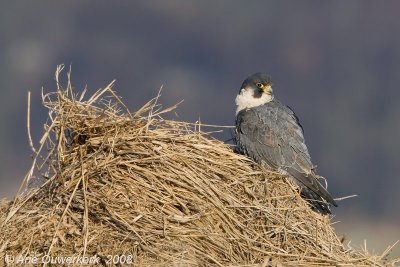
<point>267,88</point>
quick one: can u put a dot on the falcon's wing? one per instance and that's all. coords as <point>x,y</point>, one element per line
<point>271,135</point>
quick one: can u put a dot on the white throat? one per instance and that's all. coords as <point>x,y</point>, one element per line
<point>245,99</point>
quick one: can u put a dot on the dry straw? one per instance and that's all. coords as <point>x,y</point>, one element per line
<point>160,193</point>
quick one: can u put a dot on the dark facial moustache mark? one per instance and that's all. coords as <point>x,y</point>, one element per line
<point>257,92</point>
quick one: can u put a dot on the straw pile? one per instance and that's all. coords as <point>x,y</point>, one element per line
<point>136,189</point>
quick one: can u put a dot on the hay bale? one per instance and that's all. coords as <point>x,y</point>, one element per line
<point>155,192</point>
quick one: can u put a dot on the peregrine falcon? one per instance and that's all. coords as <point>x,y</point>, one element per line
<point>270,133</point>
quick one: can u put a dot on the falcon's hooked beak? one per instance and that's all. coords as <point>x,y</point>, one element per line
<point>266,88</point>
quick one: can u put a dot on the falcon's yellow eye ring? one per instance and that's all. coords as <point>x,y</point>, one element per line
<point>259,85</point>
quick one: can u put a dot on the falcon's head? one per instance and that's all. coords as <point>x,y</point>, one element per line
<point>255,90</point>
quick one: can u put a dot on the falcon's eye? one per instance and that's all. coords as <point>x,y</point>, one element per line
<point>259,85</point>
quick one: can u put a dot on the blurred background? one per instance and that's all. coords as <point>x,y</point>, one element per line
<point>336,63</point>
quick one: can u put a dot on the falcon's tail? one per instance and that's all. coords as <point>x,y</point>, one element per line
<point>317,202</point>
<point>312,191</point>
